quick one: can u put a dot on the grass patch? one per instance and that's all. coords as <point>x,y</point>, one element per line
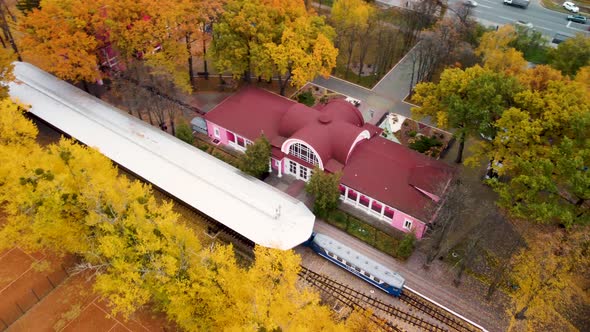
<point>339,219</point>
<point>224,156</point>
<point>537,55</point>
<point>369,234</point>
<point>361,230</point>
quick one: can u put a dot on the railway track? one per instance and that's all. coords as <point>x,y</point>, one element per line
<point>345,293</point>
<point>436,312</point>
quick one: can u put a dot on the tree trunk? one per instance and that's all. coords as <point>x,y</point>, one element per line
<point>8,34</point>
<point>350,50</point>
<point>459,158</point>
<point>205,60</point>
<point>283,84</point>
<point>190,58</point>
<point>150,117</point>
<point>469,254</point>
<point>172,126</point>
<point>521,313</point>
<point>85,86</point>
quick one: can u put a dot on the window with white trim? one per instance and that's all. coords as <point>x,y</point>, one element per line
<point>304,153</point>
<point>407,224</point>
<point>216,132</point>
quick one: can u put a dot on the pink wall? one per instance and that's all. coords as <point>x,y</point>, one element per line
<point>222,132</point>
<point>399,217</point>
<point>417,226</point>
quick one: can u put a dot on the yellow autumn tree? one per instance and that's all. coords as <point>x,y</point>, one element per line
<point>304,52</point>
<point>6,67</point>
<point>68,198</point>
<point>155,32</point>
<point>583,77</point>
<point>61,38</point>
<point>546,275</point>
<point>496,53</point>
<point>17,138</point>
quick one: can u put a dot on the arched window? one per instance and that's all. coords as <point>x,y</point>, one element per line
<point>304,153</point>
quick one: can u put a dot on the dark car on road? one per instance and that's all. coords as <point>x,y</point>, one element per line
<point>577,18</point>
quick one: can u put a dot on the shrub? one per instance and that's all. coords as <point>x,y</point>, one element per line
<point>184,132</point>
<point>306,98</point>
<point>424,143</point>
<point>324,189</point>
<point>338,219</point>
<point>406,246</point>
<point>386,243</point>
<point>361,230</point>
<point>412,133</point>
<point>255,160</point>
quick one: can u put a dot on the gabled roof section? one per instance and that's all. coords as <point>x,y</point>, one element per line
<point>390,173</point>
<point>251,112</point>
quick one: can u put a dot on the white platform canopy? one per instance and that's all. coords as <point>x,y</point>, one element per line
<point>247,205</point>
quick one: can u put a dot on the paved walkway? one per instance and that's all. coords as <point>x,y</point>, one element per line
<point>386,96</point>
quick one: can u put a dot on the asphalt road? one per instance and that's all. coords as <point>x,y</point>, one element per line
<point>546,21</point>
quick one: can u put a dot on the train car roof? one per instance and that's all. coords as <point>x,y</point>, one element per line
<point>247,205</point>
<point>392,278</point>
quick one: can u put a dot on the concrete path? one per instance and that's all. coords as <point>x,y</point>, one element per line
<point>386,96</point>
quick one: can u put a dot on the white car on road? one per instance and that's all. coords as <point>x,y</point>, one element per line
<point>470,3</point>
<point>571,7</point>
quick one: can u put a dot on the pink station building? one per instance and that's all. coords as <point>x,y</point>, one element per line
<point>382,178</point>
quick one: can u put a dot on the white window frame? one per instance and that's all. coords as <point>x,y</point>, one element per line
<point>408,224</point>
<point>304,153</point>
<point>216,132</point>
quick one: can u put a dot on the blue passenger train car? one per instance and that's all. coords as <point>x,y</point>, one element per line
<point>365,268</point>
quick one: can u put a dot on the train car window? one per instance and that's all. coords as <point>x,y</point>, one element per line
<point>376,279</point>
<point>367,274</point>
<point>356,268</point>
<point>339,259</point>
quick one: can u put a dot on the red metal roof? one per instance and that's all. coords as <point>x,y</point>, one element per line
<point>388,172</point>
<point>250,112</point>
<point>377,167</point>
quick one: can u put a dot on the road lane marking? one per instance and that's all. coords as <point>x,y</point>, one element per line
<point>568,24</point>
<point>507,18</point>
<point>543,28</point>
<point>484,6</point>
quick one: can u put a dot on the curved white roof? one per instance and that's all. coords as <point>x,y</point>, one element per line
<point>247,205</point>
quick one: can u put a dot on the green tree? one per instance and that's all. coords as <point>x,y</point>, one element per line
<point>242,30</point>
<point>571,55</point>
<point>468,101</point>
<point>543,144</point>
<point>255,161</point>
<point>532,44</point>
<point>184,132</point>
<point>324,187</point>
